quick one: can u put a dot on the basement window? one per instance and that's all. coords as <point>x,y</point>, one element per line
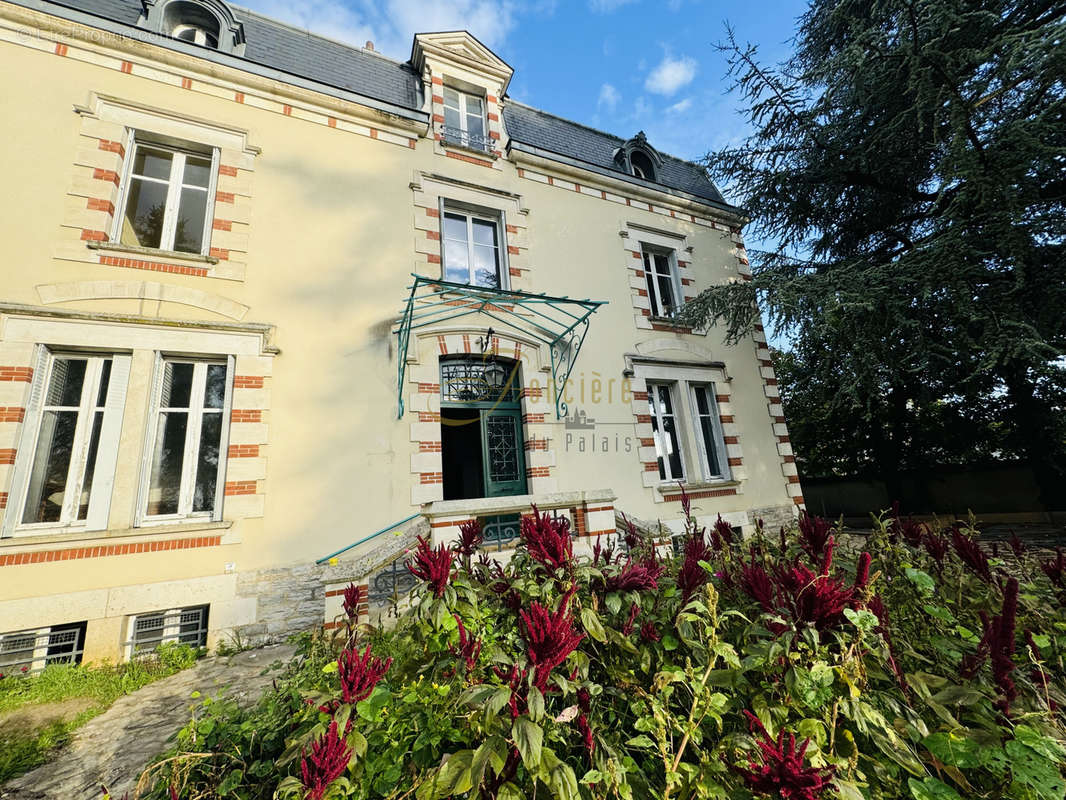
<point>29,651</point>
<point>182,625</point>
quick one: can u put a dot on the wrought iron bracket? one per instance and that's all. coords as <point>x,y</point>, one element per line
<point>561,323</point>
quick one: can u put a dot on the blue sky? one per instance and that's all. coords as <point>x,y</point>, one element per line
<point>617,65</point>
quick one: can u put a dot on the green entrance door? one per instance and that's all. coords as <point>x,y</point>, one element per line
<point>502,452</point>
<point>481,426</point>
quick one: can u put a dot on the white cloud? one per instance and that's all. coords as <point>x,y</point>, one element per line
<point>607,6</point>
<point>609,98</point>
<point>681,106</point>
<point>670,75</point>
<point>392,24</point>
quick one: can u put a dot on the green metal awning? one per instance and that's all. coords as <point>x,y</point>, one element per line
<point>559,322</point>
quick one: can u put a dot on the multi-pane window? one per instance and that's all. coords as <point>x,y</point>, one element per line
<point>167,199</point>
<point>660,275</point>
<point>185,454</point>
<point>184,625</point>
<point>665,431</point>
<point>472,249</point>
<point>464,119</point>
<point>707,424</point>
<point>74,415</point>
<point>32,650</point>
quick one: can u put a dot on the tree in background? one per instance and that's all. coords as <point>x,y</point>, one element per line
<point>908,160</point>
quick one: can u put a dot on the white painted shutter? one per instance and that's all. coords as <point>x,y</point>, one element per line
<point>223,444</point>
<point>107,451</point>
<point>150,432</point>
<point>27,441</point>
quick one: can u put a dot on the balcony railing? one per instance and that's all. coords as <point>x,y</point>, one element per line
<point>462,138</point>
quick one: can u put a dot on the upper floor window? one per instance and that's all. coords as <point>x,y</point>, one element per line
<point>472,249</point>
<point>464,119</point>
<point>70,438</point>
<point>195,34</point>
<point>191,409</point>
<point>660,273</point>
<point>641,165</point>
<point>191,22</point>
<point>208,23</point>
<point>167,198</point>
<point>639,158</point>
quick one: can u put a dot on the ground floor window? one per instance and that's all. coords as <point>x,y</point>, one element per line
<point>184,625</point>
<point>661,407</point>
<point>29,651</point>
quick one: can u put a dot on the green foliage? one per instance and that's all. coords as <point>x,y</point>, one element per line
<point>906,159</point>
<point>891,699</point>
<point>39,703</point>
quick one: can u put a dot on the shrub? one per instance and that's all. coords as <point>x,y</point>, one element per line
<point>794,666</point>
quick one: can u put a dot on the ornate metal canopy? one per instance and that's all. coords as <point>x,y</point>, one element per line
<point>559,322</point>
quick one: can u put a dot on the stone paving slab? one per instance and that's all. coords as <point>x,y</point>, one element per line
<point>112,749</point>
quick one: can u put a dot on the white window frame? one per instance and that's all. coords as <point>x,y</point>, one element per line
<point>716,431</point>
<point>648,253</point>
<point>201,35</point>
<point>107,447</point>
<point>498,219</point>
<point>41,643</point>
<point>461,108</point>
<point>171,628</point>
<point>660,416</point>
<point>196,410</point>
<point>135,140</point>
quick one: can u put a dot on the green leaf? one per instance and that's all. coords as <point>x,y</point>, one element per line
<point>500,698</point>
<point>560,777</point>
<point>1046,746</point>
<point>591,622</point>
<point>1035,771</point>
<point>640,741</point>
<point>922,580</point>
<point>613,601</point>
<point>490,752</point>
<point>451,779</point>
<point>953,750</point>
<point>593,776</point>
<point>230,782</point>
<point>358,743</point>
<point>528,738</point>
<point>931,789</point>
<point>510,792</point>
<point>863,620</point>
<point>535,701</point>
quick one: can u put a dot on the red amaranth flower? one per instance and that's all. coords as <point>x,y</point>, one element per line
<point>328,760</point>
<point>632,536</point>
<point>636,577</point>
<point>550,638</point>
<point>1017,546</point>
<point>997,645</point>
<point>627,628</point>
<point>434,566</point>
<point>937,547</point>
<point>781,773</point>
<point>547,540</point>
<point>971,554</point>
<point>514,680</point>
<point>691,576</point>
<point>469,648</point>
<point>910,529</point>
<point>354,597</point>
<point>877,606</point>
<point>359,674</point>
<point>862,571</point>
<point>724,530</point>
<point>814,532</point>
<point>1055,569</point>
<point>649,633</point>
<point>470,538</point>
<point>756,583</point>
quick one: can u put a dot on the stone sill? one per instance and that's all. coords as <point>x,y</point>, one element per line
<point>66,536</point>
<point>156,254</point>
<point>463,148</point>
<point>521,502</point>
<point>673,323</point>
<point>673,490</point>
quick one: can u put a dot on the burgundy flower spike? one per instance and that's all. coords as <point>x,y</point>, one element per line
<point>434,566</point>
<point>550,638</point>
<point>359,674</point>
<point>547,540</point>
<point>782,773</point>
<point>327,762</point>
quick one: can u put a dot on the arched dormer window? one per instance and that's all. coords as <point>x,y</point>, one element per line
<point>639,158</point>
<point>208,23</point>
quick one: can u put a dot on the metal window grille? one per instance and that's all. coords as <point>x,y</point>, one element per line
<point>465,380</point>
<point>29,652</point>
<point>184,625</point>
<point>475,141</point>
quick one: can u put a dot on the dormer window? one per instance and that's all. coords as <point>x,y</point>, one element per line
<point>464,119</point>
<point>191,22</point>
<point>639,158</point>
<point>207,23</point>
<point>641,165</point>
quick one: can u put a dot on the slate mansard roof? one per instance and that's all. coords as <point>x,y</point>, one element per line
<point>396,87</point>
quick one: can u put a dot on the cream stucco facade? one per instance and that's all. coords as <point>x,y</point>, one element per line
<point>321,208</point>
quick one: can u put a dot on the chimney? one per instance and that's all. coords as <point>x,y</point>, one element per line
<point>369,45</point>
